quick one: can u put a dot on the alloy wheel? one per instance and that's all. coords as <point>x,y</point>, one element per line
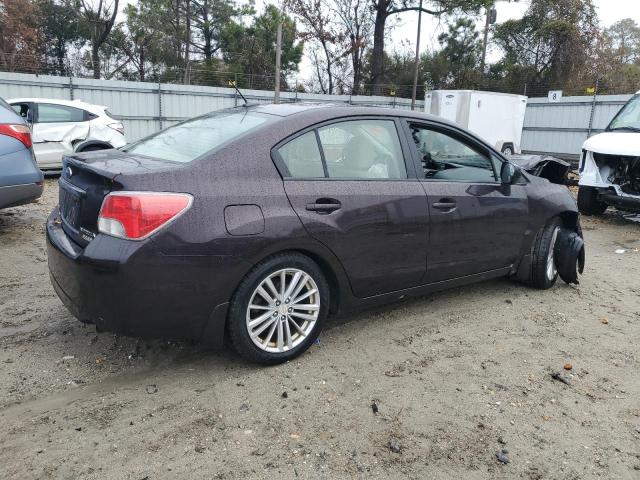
<point>551,264</point>
<point>283,310</point>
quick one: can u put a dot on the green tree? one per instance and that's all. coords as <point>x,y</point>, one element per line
<point>61,31</point>
<point>460,55</point>
<point>251,50</point>
<point>551,45</point>
<point>384,9</point>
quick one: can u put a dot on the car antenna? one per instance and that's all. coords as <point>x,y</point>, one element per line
<point>233,84</point>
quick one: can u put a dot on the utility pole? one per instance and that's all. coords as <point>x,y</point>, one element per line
<point>417,66</point>
<point>492,16</point>
<point>278,54</point>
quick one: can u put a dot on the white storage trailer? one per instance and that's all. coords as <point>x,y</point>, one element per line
<point>497,118</point>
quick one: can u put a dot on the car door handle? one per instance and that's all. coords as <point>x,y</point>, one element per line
<point>445,204</point>
<point>324,205</point>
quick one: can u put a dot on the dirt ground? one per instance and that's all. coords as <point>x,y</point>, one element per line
<point>447,381</point>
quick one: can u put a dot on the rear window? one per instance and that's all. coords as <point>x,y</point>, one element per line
<point>191,139</point>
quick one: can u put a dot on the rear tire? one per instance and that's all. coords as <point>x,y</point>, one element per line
<point>543,274</point>
<point>265,323</point>
<point>588,202</point>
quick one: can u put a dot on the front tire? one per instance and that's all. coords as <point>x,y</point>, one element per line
<point>588,203</point>
<point>278,309</point>
<point>543,273</point>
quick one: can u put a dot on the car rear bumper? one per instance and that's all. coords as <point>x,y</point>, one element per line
<point>131,288</point>
<point>14,195</point>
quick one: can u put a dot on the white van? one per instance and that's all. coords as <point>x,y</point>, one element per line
<point>497,118</point>
<point>610,164</point>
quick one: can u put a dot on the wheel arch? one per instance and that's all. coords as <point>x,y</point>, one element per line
<point>571,219</point>
<point>82,146</point>
<point>330,275</point>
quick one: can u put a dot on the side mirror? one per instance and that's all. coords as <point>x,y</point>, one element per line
<point>507,173</point>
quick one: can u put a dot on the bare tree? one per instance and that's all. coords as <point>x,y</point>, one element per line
<point>321,30</point>
<point>100,19</point>
<point>357,21</point>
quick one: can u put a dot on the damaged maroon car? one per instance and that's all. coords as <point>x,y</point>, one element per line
<point>259,222</point>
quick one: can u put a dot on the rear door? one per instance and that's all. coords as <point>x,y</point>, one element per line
<point>354,190</point>
<point>476,224</point>
<point>55,129</point>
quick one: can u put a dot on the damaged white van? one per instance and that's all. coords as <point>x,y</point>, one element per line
<point>610,164</point>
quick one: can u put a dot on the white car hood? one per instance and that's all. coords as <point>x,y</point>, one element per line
<point>615,143</point>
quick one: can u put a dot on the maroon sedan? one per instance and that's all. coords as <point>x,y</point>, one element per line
<point>262,221</point>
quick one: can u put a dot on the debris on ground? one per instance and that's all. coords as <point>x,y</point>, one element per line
<point>374,407</point>
<point>558,377</point>
<point>394,445</point>
<point>284,395</point>
<point>604,321</point>
<point>568,366</point>
<point>501,455</point>
<point>152,388</point>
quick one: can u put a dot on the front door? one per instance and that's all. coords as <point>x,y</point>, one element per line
<point>349,184</point>
<point>476,224</point>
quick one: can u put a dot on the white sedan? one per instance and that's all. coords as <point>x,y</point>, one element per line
<point>63,126</point>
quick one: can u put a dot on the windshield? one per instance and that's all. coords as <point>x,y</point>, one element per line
<point>628,117</point>
<point>193,138</point>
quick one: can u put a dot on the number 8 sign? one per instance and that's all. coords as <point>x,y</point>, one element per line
<point>555,95</point>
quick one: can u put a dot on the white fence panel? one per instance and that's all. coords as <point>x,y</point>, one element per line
<point>145,107</point>
<point>557,128</point>
<point>560,128</point>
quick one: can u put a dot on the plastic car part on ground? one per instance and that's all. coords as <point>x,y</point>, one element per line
<point>569,255</point>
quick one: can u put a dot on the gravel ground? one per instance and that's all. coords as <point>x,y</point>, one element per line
<point>430,388</point>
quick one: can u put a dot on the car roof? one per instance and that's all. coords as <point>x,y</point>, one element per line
<point>308,113</point>
<point>98,109</point>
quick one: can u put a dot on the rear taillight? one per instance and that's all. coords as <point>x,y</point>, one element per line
<point>118,127</point>
<point>19,132</point>
<point>136,215</point>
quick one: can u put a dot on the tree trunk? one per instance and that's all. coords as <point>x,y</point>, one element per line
<point>95,60</point>
<point>377,55</point>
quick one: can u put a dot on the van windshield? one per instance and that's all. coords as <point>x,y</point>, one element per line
<point>628,118</point>
<point>193,138</point>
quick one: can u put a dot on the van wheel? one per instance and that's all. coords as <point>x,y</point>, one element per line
<point>588,202</point>
<point>507,150</point>
<point>543,274</point>
<point>278,309</point>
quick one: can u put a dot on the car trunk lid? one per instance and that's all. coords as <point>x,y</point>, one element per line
<point>87,178</point>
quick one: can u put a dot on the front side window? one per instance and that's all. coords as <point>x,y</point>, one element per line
<point>364,149</point>
<point>444,157</point>
<point>193,138</point>
<point>302,157</point>
<point>49,113</point>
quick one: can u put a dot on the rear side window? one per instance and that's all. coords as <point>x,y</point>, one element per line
<point>364,149</point>
<point>302,157</point>
<point>49,113</point>
<point>189,140</point>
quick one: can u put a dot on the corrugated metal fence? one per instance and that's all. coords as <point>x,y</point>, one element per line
<point>145,108</point>
<point>560,128</point>
<point>557,128</point>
